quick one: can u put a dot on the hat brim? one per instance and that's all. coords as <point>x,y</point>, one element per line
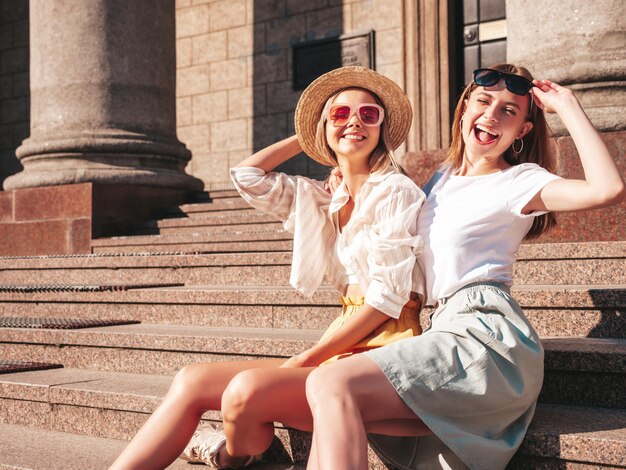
<point>398,111</point>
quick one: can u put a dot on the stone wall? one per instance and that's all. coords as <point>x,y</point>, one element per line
<point>234,71</point>
<point>14,93</point>
<point>578,44</point>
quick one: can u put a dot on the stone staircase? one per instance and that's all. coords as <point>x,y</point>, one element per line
<point>209,282</point>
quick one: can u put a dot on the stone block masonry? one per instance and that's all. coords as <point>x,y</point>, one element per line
<point>62,220</point>
<point>53,220</point>
<point>234,68</point>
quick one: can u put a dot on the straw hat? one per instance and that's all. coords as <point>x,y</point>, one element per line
<point>398,112</point>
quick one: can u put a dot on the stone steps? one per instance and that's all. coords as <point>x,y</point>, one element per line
<point>217,205</point>
<point>192,211</point>
<point>240,218</point>
<point>190,226</point>
<point>237,241</point>
<point>164,349</point>
<point>39,449</point>
<point>233,302</point>
<point>256,268</point>
<point>112,405</point>
<point>151,348</point>
<point>217,194</point>
<point>582,250</point>
<point>595,311</point>
<point>585,371</point>
<point>217,201</point>
<point>574,437</point>
<point>27,448</point>
<point>252,234</point>
<point>591,263</point>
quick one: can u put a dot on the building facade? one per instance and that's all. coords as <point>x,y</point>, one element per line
<point>170,94</point>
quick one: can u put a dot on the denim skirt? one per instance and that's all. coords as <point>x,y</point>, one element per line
<point>473,377</point>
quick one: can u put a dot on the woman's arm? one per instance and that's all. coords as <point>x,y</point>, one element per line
<point>270,157</point>
<point>391,257</point>
<point>357,327</point>
<point>603,185</point>
<point>274,193</point>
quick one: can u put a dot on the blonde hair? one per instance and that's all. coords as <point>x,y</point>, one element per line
<point>535,150</point>
<point>382,156</point>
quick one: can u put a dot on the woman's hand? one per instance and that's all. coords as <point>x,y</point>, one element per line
<point>552,97</point>
<point>304,359</point>
<point>333,181</point>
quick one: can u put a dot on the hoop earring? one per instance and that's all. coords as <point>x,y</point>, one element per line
<point>521,147</point>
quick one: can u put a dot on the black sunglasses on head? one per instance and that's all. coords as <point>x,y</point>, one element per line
<point>514,83</point>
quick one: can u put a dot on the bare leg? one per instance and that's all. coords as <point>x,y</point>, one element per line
<point>195,389</point>
<point>256,398</point>
<point>312,463</point>
<point>348,397</point>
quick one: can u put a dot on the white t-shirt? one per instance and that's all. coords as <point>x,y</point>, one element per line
<point>472,226</point>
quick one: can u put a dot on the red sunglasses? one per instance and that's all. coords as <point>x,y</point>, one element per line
<point>371,115</point>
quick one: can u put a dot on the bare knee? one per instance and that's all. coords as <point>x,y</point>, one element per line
<point>188,386</point>
<point>238,397</point>
<point>324,386</point>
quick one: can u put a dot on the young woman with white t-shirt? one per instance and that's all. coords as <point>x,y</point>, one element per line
<point>363,238</point>
<point>470,382</point>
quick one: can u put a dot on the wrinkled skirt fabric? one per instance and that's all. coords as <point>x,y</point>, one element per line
<point>473,377</point>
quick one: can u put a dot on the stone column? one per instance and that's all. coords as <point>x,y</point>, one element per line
<point>578,44</point>
<point>102,82</point>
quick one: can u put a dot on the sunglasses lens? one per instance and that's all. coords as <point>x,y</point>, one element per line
<point>518,85</point>
<point>514,83</point>
<point>339,115</point>
<point>370,115</point>
<point>486,77</point>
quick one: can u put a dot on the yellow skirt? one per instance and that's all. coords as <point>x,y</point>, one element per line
<point>406,326</point>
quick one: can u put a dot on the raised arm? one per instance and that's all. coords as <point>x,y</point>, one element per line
<point>270,157</point>
<point>272,192</point>
<point>603,185</point>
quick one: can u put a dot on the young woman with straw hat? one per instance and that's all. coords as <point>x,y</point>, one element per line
<point>473,377</point>
<point>363,238</point>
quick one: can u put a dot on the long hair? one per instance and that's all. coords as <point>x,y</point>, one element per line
<point>536,144</point>
<point>382,156</point>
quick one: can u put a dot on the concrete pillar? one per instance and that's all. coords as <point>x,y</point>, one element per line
<point>576,43</point>
<point>102,82</point>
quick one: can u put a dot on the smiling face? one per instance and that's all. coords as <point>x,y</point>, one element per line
<point>353,140</point>
<point>493,118</point>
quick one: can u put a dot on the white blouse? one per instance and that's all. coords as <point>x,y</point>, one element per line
<point>345,256</point>
<point>382,232</point>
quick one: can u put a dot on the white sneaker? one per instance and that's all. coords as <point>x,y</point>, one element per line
<point>205,445</point>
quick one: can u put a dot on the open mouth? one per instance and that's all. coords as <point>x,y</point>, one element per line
<point>484,135</point>
<point>354,137</point>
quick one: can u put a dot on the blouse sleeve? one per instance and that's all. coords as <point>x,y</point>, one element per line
<point>301,203</point>
<point>272,193</point>
<point>394,250</point>
<point>529,179</point>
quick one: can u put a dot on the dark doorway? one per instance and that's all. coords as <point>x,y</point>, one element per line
<point>480,38</point>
